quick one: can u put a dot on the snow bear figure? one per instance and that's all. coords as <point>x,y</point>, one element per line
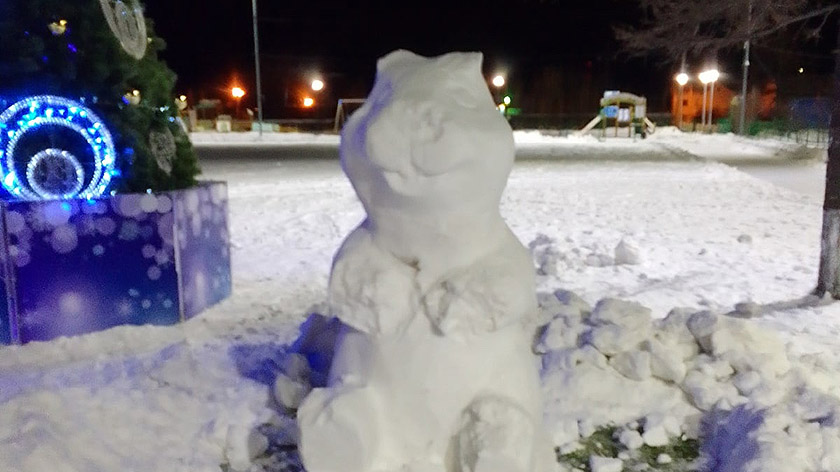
<point>434,371</point>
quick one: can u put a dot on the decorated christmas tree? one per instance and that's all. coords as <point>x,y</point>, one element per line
<point>86,105</point>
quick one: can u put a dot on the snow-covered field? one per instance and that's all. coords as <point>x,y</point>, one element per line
<point>186,398</point>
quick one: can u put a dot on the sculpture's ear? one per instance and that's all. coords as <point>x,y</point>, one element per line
<point>395,59</point>
<point>469,62</point>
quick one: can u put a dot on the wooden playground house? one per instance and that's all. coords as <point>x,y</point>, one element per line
<point>621,110</point>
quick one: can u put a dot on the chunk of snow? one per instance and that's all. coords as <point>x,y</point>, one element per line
<point>605,464</point>
<point>631,439</point>
<point>626,254</point>
<point>634,365</point>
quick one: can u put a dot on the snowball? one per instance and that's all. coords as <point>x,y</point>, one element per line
<point>620,312</point>
<point>665,361</point>
<point>605,464</point>
<point>702,326</point>
<point>704,391</point>
<point>613,339</point>
<point>655,436</point>
<point>626,253</point>
<point>746,382</point>
<point>560,333</point>
<point>295,366</point>
<point>634,365</point>
<point>290,392</point>
<point>631,439</point>
<point>569,298</point>
<point>242,446</point>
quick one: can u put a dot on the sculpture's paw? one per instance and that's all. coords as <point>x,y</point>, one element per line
<point>497,435</point>
<point>338,431</point>
<point>371,290</point>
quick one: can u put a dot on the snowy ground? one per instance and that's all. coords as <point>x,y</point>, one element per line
<point>184,398</point>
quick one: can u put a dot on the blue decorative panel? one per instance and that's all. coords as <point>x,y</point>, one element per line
<point>5,319</point>
<point>201,217</point>
<point>78,266</point>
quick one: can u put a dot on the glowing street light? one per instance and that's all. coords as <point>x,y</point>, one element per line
<point>499,81</point>
<point>237,93</point>
<point>308,102</point>
<point>317,85</point>
<point>506,100</point>
<point>681,78</point>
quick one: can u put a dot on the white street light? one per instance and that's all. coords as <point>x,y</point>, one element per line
<point>682,78</point>
<point>317,85</point>
<point>499,80</point>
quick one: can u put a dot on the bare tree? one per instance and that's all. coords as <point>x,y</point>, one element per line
<point>680,27</point>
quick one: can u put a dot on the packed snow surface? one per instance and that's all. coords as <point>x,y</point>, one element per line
<point>696,234</point>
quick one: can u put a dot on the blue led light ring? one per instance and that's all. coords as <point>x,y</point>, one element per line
<point>64,156</point>
<point>9,168</point>
<point>49,110</point>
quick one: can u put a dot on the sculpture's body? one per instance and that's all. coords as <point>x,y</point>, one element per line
<point>436,373</point>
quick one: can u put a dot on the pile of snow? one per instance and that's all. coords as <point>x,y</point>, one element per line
<point>691,374</point>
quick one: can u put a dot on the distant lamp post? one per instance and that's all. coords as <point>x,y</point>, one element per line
<point>308,102</point>
<point>317,85</point>
<point>499,81</point>
<point>506,100</point>
<point>682,79</point>
<point>714,75</point>
<point>181,103</point>
<point>707,77</point>
<point>237,93</point>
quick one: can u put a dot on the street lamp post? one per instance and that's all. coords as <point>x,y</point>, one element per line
<point>257,64</point>
<point>682,79</point>
<point>708,76</point>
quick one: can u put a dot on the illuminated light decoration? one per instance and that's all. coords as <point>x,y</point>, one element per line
<point>681,78</point>
<point>308,102</point>
<point>55,174</point>
<point>36,112</point>
<point>317,85</point>
<point>499,80</point>
<point>506,100</point>
<point>57,28</point>
<point>128,24</point>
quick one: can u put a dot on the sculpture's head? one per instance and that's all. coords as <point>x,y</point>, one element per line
<point>428,134</point>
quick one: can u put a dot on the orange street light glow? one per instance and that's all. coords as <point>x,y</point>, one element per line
<point>308,102</point>
<point>237,92</point>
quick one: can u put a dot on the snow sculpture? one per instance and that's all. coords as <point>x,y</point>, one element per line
<point>434,370</point>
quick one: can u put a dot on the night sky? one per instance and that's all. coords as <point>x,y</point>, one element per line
<point>559,44</point>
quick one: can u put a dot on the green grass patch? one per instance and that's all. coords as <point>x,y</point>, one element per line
<point>604,442</point>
